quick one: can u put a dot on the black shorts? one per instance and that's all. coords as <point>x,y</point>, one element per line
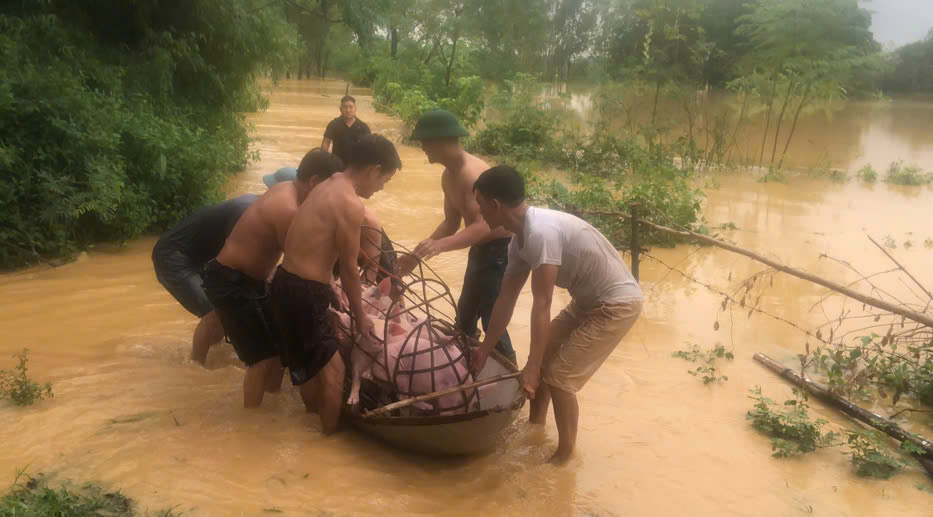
<point>241,302</point>
<point>181,277</point>
<point>300,307</point>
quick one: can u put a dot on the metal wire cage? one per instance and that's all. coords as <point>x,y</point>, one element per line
<point>434,353</point>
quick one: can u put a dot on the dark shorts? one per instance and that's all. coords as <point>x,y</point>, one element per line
<point>486,265</point>
<point>300,309</point>
<point>241,302</point>
<point>181,277</point>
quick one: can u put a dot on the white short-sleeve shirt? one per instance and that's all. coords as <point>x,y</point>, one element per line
<point>589,266</point>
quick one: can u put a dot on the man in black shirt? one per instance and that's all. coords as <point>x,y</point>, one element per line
<point>179,258</point>
<point>344,131</point>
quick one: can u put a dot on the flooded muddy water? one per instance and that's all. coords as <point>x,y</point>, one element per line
<point>131,411</point>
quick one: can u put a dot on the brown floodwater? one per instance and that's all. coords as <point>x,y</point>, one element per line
<point>131,411</point>
<point>840,135</point>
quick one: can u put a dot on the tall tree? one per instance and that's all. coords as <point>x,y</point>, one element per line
<point>802,51</point>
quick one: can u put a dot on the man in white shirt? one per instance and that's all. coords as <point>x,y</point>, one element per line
<point>559,249</point>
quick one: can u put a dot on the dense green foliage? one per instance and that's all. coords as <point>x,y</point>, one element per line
<point>912,68</point>
<point>16,385</point>
<point>898,362</point>
<point>118,118</point>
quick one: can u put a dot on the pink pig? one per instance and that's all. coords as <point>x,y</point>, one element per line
<point>414,376</point>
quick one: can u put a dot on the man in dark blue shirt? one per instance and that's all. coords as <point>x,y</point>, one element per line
<point>179,258</point>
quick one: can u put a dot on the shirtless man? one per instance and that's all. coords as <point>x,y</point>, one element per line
<point>373,239</point>
<point>440,132</point>
<point>326,229</point>
<point>235,282</point>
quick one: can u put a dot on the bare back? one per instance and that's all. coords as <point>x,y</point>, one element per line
<point>255,245</point>
<point>458,194</point>
<point>318,236</point>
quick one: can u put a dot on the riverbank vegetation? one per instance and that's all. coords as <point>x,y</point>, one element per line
<point>671,86</point>
<point>119,118</point>
<point>34,498</point>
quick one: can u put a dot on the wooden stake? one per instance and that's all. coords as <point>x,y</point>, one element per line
<point>858,413</point>
<point>438,394</point>
<point>636,242</point>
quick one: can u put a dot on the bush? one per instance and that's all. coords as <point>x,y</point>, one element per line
<point>118,118</point>
<point>791,430</point>
<point>867,174</point>
<point>408,88</point>
<point>870,457</point>
<point>519,127</point>
<point>890,362</point>
<point>19,388</point>
<point>898,174</point>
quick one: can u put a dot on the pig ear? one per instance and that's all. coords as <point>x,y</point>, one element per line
<point>385,286</point>
<point>395,329</point>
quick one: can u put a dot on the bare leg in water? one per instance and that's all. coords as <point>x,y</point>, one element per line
<point>325,393</point>
<point>309,395</point>
<point>567,414</point>
<point>208,332</point>
<point>274,378</point>
<point>540,404</point>
<point>256,379</point>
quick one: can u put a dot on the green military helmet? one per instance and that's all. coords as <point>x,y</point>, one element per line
<point>438,124</point>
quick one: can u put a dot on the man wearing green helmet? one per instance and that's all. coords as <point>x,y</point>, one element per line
<point>439,132</point>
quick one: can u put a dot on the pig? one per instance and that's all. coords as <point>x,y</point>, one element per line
<point>407,334</point>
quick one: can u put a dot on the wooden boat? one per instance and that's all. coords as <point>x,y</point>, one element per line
<point>474,427</point>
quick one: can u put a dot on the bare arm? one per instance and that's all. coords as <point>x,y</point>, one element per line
<point>348,244</point>
<point>452,217</point>
<point>542,290</point>
<point>503,309</point>
<point>325,144</point>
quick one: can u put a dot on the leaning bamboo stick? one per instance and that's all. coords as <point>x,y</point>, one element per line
<point>438,394</point>
<point>858,413</point>
<point>868,300</point>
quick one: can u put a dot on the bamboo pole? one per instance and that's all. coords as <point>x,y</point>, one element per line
<point>858,413</point>
<point>868,300</point>
<point>438,394</point>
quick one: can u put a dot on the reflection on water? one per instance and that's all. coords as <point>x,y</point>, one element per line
<point>842,135</point>
<point>131,411</point>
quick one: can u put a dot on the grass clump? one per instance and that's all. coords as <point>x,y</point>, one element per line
<point>36,499</point>
<point>867,174</point>
<point>898,174</point>
<point>16,385</point>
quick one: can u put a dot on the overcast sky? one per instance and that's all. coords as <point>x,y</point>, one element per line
<point>900,21</point>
